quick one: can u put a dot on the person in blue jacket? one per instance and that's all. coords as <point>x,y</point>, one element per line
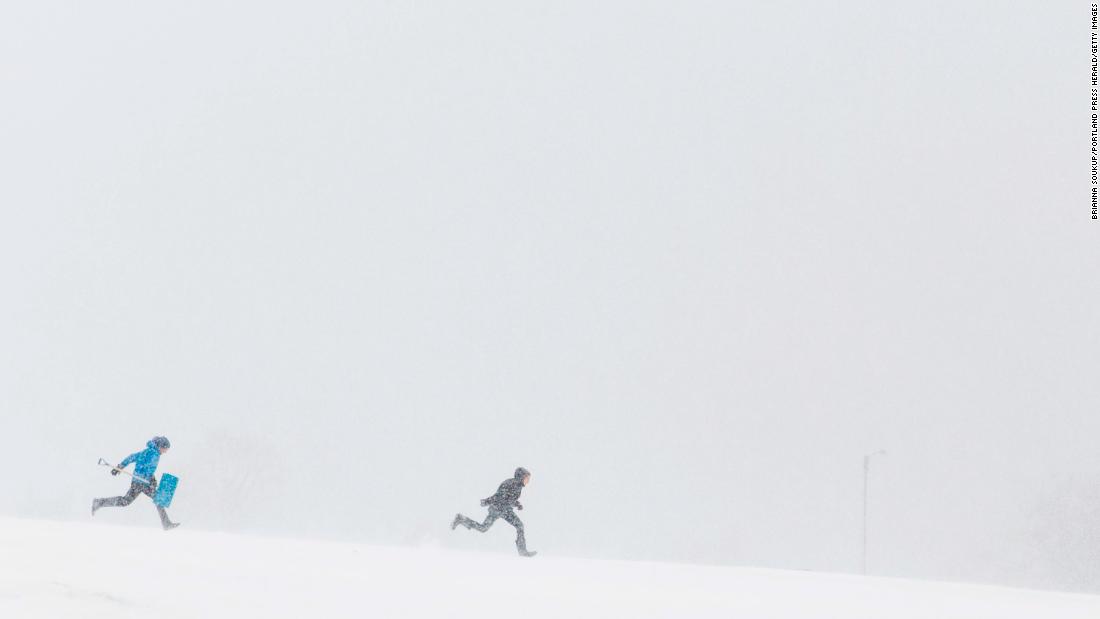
<point>145,482</point>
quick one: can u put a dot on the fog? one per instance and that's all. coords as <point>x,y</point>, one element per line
<point>688,262</point>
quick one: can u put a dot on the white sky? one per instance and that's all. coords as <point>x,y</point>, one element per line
<point>686,261</point>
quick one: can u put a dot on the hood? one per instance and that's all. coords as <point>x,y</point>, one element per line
<point>158,442</point>
<point>521,473</point>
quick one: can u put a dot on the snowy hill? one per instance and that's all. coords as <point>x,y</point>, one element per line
<point>52,569</point>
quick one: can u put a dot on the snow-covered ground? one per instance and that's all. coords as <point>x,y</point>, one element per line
<point>54,569</point>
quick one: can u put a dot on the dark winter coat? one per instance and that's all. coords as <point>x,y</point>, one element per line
<point>507,495</point>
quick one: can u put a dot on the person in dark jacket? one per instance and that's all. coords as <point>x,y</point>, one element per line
<point>144,481</point>
<point>500,506</point>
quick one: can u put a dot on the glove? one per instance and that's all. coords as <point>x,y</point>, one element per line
<point>484,502</point>
<point>114,472</point>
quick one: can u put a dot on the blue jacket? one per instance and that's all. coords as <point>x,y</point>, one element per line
<point>146,460</point>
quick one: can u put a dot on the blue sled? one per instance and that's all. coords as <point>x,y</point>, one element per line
<point>166,489</point>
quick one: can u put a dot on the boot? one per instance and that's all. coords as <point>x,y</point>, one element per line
<point>457,521</point>
<point>164,521</point>
<point>521,546</point>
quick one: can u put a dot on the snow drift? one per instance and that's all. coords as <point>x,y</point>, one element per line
<point>54,569</point>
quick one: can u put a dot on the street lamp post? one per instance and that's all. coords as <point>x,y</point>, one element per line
<point>866,475</point>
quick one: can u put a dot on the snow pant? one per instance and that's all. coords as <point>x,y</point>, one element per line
<point>136,488</point>
<point>495,512</point>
